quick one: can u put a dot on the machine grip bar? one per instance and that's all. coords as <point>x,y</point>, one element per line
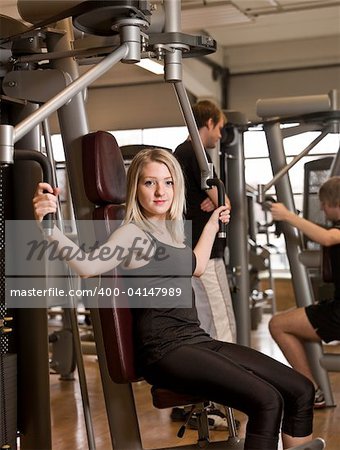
<point>221,201</point>
<point>33,155</point>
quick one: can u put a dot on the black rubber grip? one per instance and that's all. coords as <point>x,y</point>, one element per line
<point>33,155</point>
<point>221,201</point>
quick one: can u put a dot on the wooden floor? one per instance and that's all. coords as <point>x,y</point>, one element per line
<point>156,428</point>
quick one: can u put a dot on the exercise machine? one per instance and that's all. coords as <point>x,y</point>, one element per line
<point>317,113</point>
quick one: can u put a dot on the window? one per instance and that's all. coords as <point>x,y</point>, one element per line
<point>169,137</point>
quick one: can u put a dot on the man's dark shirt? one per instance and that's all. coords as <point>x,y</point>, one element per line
<point>186,156</point>
<point>335,263</point>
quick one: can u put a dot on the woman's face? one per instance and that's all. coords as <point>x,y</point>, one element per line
<point>155,190</point>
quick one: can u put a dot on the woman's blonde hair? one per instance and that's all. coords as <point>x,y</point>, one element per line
<point>134,212</point>
<point>329,192</point>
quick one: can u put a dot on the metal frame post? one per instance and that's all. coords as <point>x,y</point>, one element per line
<point>238,236</point>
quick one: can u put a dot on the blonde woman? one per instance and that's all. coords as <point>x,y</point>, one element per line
<point>174,352</point>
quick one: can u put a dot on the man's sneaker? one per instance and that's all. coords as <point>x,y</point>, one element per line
<point>216,421</point>
<point>319,399</point>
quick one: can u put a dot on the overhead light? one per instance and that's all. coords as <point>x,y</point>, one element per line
<point>151,66</point>
<point>211,15</point>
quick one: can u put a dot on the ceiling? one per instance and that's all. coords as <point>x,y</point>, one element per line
<point>274,20</point>
<point>258,34</point>
<point>240,22</point>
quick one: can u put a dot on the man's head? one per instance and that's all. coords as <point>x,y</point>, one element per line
<point>329,195</point>
<point>210,121</point>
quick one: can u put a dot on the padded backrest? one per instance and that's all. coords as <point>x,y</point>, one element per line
<point>105,185</point>
<point>104,170</point>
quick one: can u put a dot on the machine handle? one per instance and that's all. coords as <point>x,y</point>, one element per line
<point>221,201</point>
<point>33,155</point>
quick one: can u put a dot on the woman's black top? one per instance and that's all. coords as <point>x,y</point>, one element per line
<point>163,319</point>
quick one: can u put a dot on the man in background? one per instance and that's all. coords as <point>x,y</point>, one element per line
<point>320,321</point>
<point>212,292</point>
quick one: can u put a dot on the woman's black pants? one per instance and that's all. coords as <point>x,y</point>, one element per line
<point>271,394</point>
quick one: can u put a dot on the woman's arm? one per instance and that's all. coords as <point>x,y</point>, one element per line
<point>315,232</point>
<point>121,247</point>
<point>204,245</point>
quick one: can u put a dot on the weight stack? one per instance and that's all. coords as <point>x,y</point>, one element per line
<point>8,400</point>
<point>8,361</point>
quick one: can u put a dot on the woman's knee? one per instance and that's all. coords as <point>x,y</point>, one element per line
<point>266,414</point>
<point>307,392</point>
<point>298,417</point>
<point>272,401</point>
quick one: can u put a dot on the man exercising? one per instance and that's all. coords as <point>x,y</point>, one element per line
<point>321,321</point>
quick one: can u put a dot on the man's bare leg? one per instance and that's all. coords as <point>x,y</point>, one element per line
<point>290,330</point>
